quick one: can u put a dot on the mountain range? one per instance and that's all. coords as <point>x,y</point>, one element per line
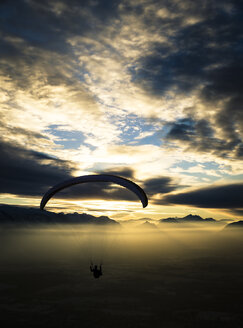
<point>187,219</point>
<point>10,214</point>
<point>14,215</point>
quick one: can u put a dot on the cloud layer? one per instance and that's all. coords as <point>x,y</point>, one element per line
<point>26,172</point>
<point>138,87</point>
<point>225,196</point>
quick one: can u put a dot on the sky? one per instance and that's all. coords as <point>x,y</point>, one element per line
<point>148,90</point>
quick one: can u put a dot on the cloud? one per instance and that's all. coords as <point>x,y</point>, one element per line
<point>181,130</point>
<point>30,173</point>
<point>223,196</point>
<point>237,212</point>
<point>43,81</point>
<point>200,58</point>
<point>125,172</point>
<point>108,69</point>
<point>199,135</point>
<point>47,25</point>
<point>193,51</point>
<point>159,185</point>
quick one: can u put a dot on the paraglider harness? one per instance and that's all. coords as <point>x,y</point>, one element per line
<point>96,272</point>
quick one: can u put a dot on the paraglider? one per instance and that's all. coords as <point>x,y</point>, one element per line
<point>96,271</point>
<point>96,178</point>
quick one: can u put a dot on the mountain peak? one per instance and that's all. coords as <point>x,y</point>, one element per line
<point>191,217</point>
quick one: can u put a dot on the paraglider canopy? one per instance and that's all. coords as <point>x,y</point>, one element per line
<point>96,178</point>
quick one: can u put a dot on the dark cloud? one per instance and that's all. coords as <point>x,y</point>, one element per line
<point>183,62</point>
<point>238,212</point>
<point>27,172</point>
<point>18,131</point>
<point>199,135</point>
<point>35,37</point>
<point>224,196</point>
<point>184,130</point>
<point>160,72</point>
<point>205,56</point>
<point>48,24</point>
<point>7,49</point>
<point>37,27</point>
<point>226,83</point>
<point>160,185</point>
<point>125,172</point>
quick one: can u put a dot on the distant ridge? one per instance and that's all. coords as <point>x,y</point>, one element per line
<point>138,220</point>
<point>147,225</point>
<point>169,220</point>
<point>187,219</point>
<point>15,215</point>
<point>234,225</point>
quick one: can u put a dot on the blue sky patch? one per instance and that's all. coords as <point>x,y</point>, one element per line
<point>68,139</point>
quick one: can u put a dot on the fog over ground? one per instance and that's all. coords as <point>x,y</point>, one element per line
<point>166,277</point>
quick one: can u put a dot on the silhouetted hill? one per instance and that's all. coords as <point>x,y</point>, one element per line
<point>196,218</point>
<point>26,215</point>
<point>169,220</point>
<point>187,219</point>
<point>147,225</point>
<point>234,225</point>
<point>134,221</point>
